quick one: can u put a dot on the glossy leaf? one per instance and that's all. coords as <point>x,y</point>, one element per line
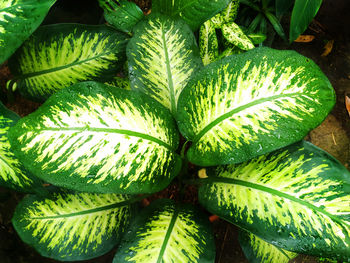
<point>250,104</point>
<point>165,231</point>
<point>228,15</point>
<point>276,25</point>
<point>257,250</point>
<point>95,138</point>
<point>12,172</point>
<point>208,43</point>
<point>303,13</point>
<point>194,12</point>
<point>57,56</point>
<point>234,34</point>
<point>297,198</point>
<point>72,226</point>
<point>257,38</point>
<point>162,56</point>
<point>18,20</point>
<point>119,82</point>
<point>123,15</point>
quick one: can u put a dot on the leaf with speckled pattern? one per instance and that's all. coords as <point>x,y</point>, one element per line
<point>208,43</point>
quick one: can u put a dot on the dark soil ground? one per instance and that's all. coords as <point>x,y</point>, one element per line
<point>331,24</point>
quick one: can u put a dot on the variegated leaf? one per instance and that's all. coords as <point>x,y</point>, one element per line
<point>57,56</point>
<point>259,251</point>
<point>95,138</point>
<point>250,104</point>
<point>168,232</point>
<point>228,15</point>
<point>297,198</point>
<point>73,226</point>
<point>234,34</point>
<point>208,43</point>
<point>257,38</point>
<point>123,15</point>
<point>162,55</point>
<point>119,82</point>
<point>194,12</point>
<point>18,20</point>
<point>12,172</point>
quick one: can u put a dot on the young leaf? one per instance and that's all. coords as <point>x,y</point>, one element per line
<point>95,138</point>
<point>208,43</point>
<point>250,104</point>
<point>194,12</point>
<point>234,35</point>
<point>297,198</point>
<point>72,226</point>
<point>123,15</point>
<point>12,172</point>
<point>303,13</point>
<point>18,20</point>
<point>57,56</point>
<point>162,55</point>
<point>165,231</point>
<point>257,250</point>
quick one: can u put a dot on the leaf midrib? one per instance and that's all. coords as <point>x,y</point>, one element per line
<point>110,130</point>
<point>241,108</point>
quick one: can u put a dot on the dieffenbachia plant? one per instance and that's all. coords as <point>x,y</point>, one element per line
<point>111,141</point>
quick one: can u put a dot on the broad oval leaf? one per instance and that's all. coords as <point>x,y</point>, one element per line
<point>18,20</point>
<point>12,172</point>
<point>95,138</point>
<point>234,35</point>
<point>250,104</point>
<point>228,15</point>
<point>297,198</point>
<point>194,12</point>
<point>165,232</point>
<point>123,15</point>
<point>162,56</point>
<point>57,56</point>
<point>208,43</point>
<point>259,251</point>
<point>72,226</point>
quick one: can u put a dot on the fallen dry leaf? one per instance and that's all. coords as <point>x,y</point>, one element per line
<point>213,218</point>
<point>305,38</point>
<point>328,48</point>
<point>347,104</point>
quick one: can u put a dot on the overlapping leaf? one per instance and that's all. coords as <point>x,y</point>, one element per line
<point>297,198</point>
<point>259,251</point>
<point>234,34</point>
<point>96,138</point>
<point>165,232</point>
<point>18,20</point>
<point>251,104</point>
<point>123,15</point>
<point>68,226</point>
<point>208,43</point>
<point>162,55</point>
<point>57,56</point>
<point>194,12</point>
<point>228,15</point>
<point>12,172</point>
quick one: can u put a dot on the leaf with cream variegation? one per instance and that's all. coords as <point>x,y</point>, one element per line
<point>96,138</point>
<point>208,43</point>
<point>250,104</point>
<point>297,198</point>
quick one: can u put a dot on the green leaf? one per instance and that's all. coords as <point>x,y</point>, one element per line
<point>166,231</point>
<point>208,43</point>
<point>12,172</point>
<point>18,20</point>
<point>234,35</point>
<point>303,13</point>
<point>57,56</point>
<point>162,56</point>
<point>72,226</point>
<point>250,104</point>
<point>282,6</point>
<point>228,15</point>
<point>276,25</point>
<point>119,82</point>
<point>257,38</point>
<point>95,138</point>
<point>297,198</point>
<point>257,250</point>
<point>194,12</point>
<point>123,15</point>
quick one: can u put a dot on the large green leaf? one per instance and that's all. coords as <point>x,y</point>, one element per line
<point>162,55</point>
<point>123,15</point>
<point>297,198</point>
<point>194,12</point>
<point>18,20</point>
<point>259,251</point>
<point>72,226</point>
<point>208,43</point>
<point>12,172</point>
<point>250,104</point>
<point>96,138</point>
<point>168,232</point>
<point>57,56</point>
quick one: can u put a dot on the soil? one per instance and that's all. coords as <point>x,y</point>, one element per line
<point>332,23</point>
